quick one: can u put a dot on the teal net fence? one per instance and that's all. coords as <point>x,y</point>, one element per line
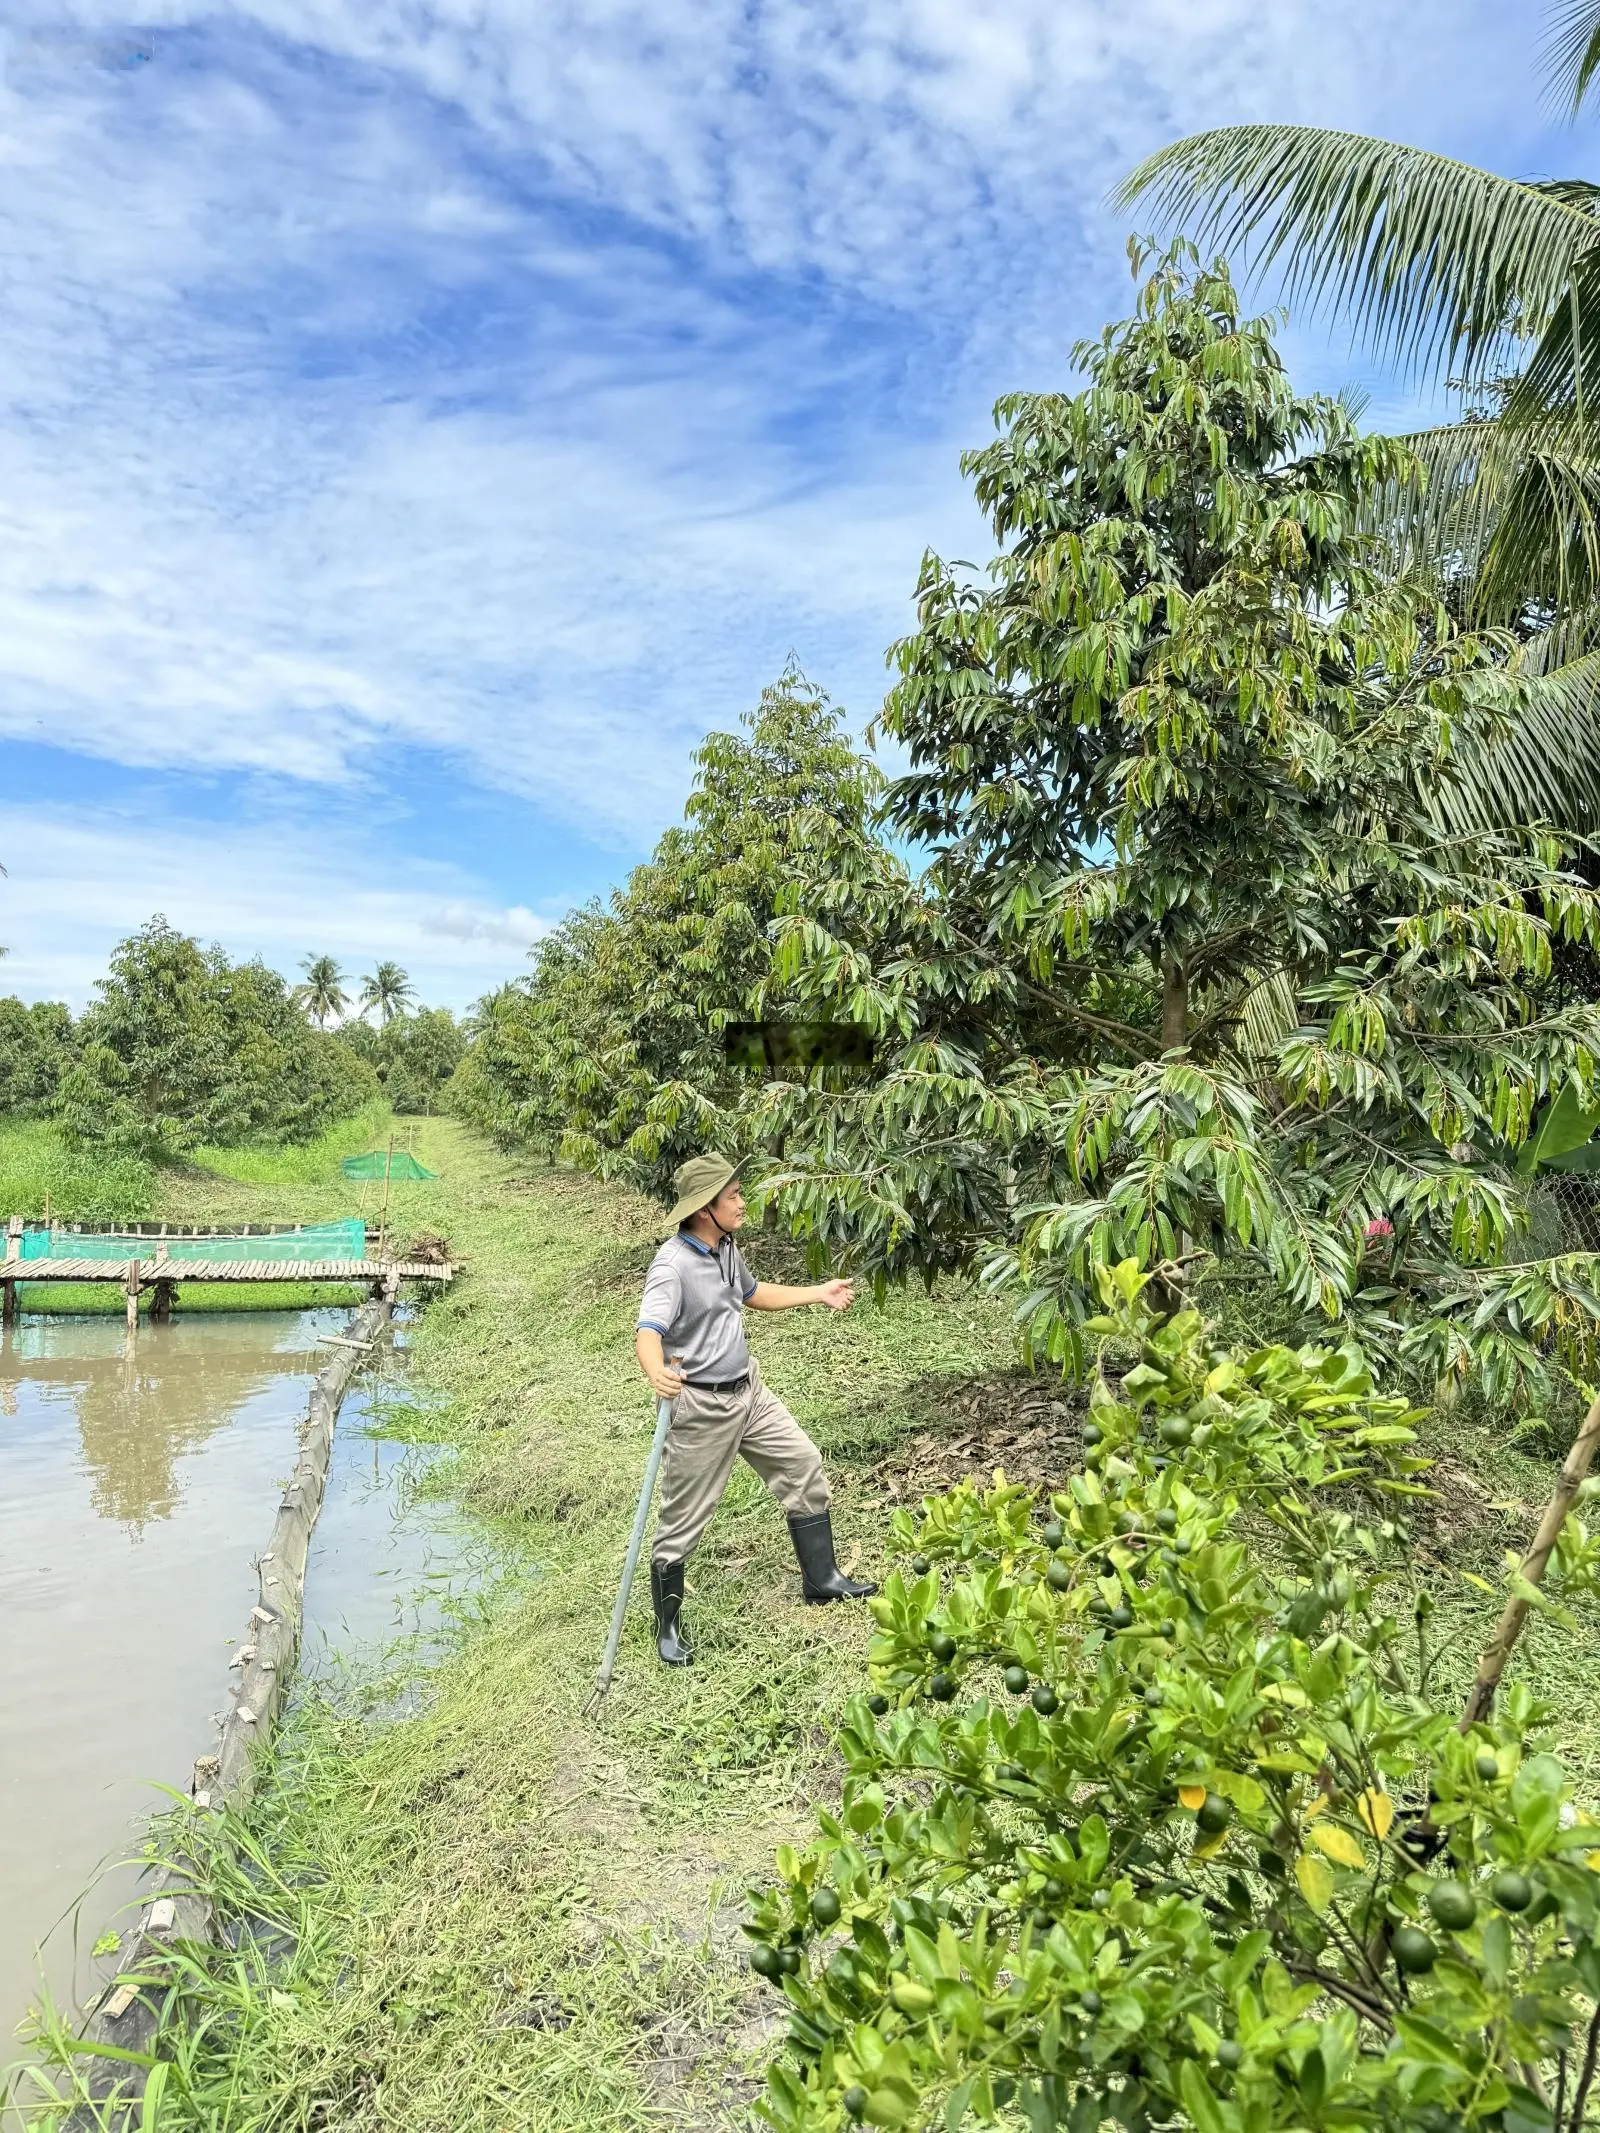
<point>321,1240</point>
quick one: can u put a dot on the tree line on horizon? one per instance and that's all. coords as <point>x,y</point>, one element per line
<point>183,1048</point>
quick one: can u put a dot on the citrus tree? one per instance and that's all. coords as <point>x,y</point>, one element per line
<point>1194,974</point>
<point>1156,1816</point>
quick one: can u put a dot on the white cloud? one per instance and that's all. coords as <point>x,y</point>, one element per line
<point>81,880</point>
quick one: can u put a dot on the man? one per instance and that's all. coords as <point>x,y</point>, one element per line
<point>693,1313</point>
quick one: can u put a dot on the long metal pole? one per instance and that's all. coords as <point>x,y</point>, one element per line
<point>641,1519</point>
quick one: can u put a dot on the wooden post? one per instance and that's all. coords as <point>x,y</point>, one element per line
<point>14,1237</point>
<point>133,1295</point>
<point>383,1219</point>
<point>161,1303</point>
<point>8,1303</point>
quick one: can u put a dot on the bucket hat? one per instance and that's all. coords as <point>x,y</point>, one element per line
<point>697,1184</point>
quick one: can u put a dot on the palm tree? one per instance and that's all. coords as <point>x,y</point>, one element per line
<point>1496,279</point>
<point>389,990</point>
<point>322,995</point>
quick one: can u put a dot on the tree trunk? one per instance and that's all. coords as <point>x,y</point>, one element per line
<point>1174,1005</point>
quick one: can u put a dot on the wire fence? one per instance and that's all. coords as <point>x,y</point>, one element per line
<point>1566,1214</point>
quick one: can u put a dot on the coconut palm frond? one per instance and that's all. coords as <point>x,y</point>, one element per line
<point>1440,260</point>
<point>1545,546</point>
<point>1514,512</point>
<point>1560,380</point>
<point>1572,51</point>
<point>1267,1014</point>
<point>1443,519</point>
<point>1545,767</point>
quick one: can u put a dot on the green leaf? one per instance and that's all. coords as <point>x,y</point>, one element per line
<point>1199,2100</point>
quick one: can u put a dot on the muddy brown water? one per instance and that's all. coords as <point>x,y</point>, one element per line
<point>137,1484</point>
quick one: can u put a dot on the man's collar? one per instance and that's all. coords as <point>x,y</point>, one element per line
<point>694,1244</point>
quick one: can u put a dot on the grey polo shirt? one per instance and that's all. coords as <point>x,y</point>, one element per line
<point>695,1298</point>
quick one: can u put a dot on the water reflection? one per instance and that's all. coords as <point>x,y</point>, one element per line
<point>135,1491</point>
<point>140,1405</point>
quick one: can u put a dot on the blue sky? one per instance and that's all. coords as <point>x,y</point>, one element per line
<point>419,424</point>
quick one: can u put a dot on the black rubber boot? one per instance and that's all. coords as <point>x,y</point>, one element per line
<point>666,1594</point>
<point>821,1579</point>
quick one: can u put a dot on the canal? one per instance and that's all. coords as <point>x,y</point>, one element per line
<point>137,1484</point>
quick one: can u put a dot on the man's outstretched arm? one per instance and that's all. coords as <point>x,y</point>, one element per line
<point>773,1296</point>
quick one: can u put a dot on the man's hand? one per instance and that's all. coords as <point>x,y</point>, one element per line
<point>837,1295</point>
<point>666,1379</point>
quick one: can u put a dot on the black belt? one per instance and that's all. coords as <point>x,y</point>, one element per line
<point>727,1385</point>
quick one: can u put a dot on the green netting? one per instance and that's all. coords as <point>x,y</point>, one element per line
<point>321,1240</point>
<point>398,1165</point>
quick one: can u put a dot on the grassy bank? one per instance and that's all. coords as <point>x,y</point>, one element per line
<point>492,1913</point>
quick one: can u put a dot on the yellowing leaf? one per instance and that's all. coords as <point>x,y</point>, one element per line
<point>1315,1877</point>
<point>1340,1846</point>
<point>1592,1861</point>
<point>1208,1847</point>
<point>1193,1797</point>
<point>1318,1806</point>
<point>1376,1810</point>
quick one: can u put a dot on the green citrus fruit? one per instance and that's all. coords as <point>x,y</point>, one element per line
<point>1100,1900</point>
<point>1153,1698</point>
<point>942,1644</point>
<point>789,1961</point>
<point>942,1687</point>
<point>1053,1890</point>
<point>1229,2054</point>
<point>825,1907</point>
<point>1016,1680</point>
<point>1414,1953</point>
<point>1214,1814</point>
<point>854,2100</point>
<point>1090,2002</point>
<point>1511,1891</point>
<point>1059,1575</point>
<point>1010,1773</point>
<point>910,1995</point>
<point>1121,1617</point>
<point>1054,1534</point>
<point>1182,1545</point>
<point>764,1961</point>
<point>1167,1521</point>
<point>1176,1429</point>
<point>1452,1904</point>
<point>920,1566</point>
<point>1093,1434</point>
<point>1487,1767</point>
<point>1045,1700</point>
<point>877,1705</point>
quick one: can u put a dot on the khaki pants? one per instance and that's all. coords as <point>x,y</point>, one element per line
<point>709,1431</point>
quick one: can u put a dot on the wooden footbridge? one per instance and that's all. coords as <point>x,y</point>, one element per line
<point>151,1264</point>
